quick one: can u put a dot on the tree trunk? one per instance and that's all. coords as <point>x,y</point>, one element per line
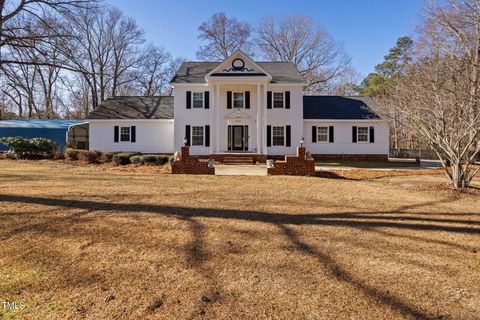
<point>459,180</point>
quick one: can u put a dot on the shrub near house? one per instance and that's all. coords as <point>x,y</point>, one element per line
<point>35,148</point>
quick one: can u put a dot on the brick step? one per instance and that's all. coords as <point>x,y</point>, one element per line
<point>238,161</point>
<point>238,158</point>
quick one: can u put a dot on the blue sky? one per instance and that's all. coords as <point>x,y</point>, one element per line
<point>367,28</point>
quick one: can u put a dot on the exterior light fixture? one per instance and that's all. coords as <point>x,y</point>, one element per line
<point>185,141</point>
<point>302,141</point>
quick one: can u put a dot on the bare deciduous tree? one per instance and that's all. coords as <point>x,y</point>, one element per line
<point>18,21</point>
<point>103,46</point>
<point>67,56</point>
<point>224,36</point>
<point>126,40</point>
<point>300,40</point>
<point>153,74</point>
<point>440,94</point>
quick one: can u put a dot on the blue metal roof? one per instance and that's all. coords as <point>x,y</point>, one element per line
<point>55,130</point>
<point>44,124</point>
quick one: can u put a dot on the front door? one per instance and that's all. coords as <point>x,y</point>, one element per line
<point>238,138</point>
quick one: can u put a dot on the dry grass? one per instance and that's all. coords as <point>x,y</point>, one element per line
<point>366,164</point>
<point>98,242</point>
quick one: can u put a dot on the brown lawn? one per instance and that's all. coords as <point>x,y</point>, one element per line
<point>99,242</point>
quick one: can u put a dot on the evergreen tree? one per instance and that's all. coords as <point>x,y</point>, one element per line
<point>398,57</point>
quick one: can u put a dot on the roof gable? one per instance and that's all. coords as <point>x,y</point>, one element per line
<point>240,65</point>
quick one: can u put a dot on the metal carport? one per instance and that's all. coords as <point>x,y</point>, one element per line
<point>73,132</point>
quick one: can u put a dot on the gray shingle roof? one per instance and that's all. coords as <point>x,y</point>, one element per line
<point>134,107</point>
<point>195,72</point>
<point>338,108</point>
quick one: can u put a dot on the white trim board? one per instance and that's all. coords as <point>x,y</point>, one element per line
<point>348,121</point>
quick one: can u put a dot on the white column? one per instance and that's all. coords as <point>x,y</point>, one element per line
<point>259,121</point>
<point>217,113</point>
<point>265,120</point>
<point>211,116</point>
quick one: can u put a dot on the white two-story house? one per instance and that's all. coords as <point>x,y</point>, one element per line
<point>240,106</point>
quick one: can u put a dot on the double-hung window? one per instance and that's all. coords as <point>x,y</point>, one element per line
<point>238,100</point>
<point>362,134</point>
<point>278,136</point>
<point>322,134</point>
<point>278,100</point>
<point>197,99</point>
<point>197,135</point>
<point>124,133</point>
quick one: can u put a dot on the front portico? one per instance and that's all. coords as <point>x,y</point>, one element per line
<point>247,106</point>
<point>239,126</point>
<point>240,97</point>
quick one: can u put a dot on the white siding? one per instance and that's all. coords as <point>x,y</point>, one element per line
<point>192,117</point>
<point>274,117</point>
<point>343,138</point>
<point>283,117</point>
<point>152,136</point>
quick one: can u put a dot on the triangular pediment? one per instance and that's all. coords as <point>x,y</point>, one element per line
<point>238,64</point>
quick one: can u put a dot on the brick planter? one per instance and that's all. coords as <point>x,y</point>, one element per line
<point>294,165</point>
<point>190,165</point>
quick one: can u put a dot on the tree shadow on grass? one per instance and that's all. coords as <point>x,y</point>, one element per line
<point>342,275</point>
<point>346,219</point>
<point>197,255</point>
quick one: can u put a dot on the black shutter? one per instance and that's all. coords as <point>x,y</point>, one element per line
<point>133,134</point>
<point>314,134</point>
<point>287,99</point>
<point>187,134</point>
<point>247,99</point>
<point>269,136</point>
<point>207,136</point>
<point>206,98</point>
<point>288,133</point>
<point>245,132</point>
<point>330,134</point>
<point>354,134</point>
<point>269,99</point>
<point>229,99</point>
<point>115,134</point>
<point>229,138</point>
<point>189,99</point>
<point>372,134</point>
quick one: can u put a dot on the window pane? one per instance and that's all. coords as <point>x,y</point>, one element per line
<point>124,133</point>
<point>322,134</point>
<point>362,134</point>
<point>198,99</point>
<point>278,99</point>
<point>278,136</point>
<point>197,136</point>
<point>238,99</point>
<point>197,130</point>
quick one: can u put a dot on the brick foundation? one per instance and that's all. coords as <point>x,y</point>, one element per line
<point>294,165</point>
<point>190,165</point>
<point>352,157</point>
